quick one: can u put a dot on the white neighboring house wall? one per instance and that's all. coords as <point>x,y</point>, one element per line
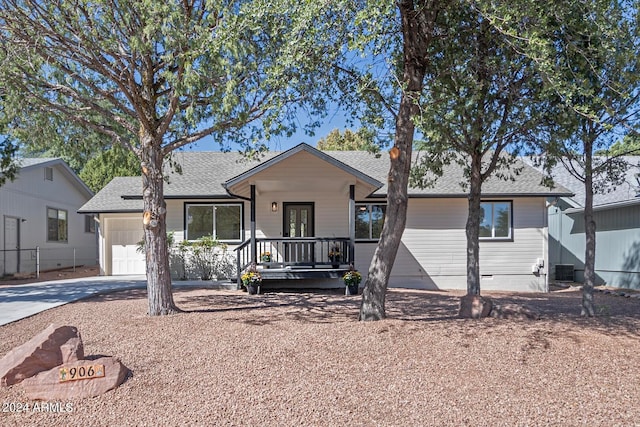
<point>44,184</point>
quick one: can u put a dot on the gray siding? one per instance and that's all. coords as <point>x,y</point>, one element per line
<point>617,244</point>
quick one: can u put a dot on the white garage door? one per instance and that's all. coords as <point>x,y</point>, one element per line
<point>125,235</point>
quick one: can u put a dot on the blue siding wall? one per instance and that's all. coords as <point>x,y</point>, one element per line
<point>617,244</point>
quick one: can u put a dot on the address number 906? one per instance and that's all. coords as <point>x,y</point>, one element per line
<point>81,372</point>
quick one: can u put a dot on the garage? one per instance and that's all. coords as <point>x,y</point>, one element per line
<point>125,234</point>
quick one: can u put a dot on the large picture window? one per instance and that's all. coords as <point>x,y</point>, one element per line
<point>495,220</point>
<point>369,221</point>
<point>57,225</point>
<point>222,221</point>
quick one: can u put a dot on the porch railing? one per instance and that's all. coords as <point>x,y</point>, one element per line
<point>311,252</point>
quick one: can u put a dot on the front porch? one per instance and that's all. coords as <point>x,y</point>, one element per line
<point>299,202</point>
<point>301,258</point>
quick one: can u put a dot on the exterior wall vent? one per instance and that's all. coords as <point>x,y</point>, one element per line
<point>565,273</point>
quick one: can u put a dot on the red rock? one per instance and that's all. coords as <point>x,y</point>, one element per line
<point>47,386</point>
<point>474,307</point>
<point>52,347</point>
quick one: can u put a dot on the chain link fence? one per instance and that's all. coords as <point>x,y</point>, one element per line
<point>17,262</point>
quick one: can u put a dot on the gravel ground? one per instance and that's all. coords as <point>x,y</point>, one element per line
<point>291,359</point>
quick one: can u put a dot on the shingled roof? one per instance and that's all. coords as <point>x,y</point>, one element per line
<point>205,173</point>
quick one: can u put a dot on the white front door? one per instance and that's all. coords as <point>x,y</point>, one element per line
<point>11,244</point>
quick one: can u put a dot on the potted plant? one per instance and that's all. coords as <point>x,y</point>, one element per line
<point>352,279</point>
<point>251,279</point>
<point>334,256</point>
<point>265,257</point>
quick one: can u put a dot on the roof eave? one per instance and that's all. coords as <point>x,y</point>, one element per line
<point>228,185</point>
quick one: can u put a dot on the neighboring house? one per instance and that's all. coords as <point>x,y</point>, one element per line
<point>40,219</point>
<point>617,217</point>
<point>303,204</point>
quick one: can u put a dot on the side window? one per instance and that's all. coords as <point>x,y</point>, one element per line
<point>496,220</point>
<point>48,174</point>
<point>369,221</point>
<point>57,225</point>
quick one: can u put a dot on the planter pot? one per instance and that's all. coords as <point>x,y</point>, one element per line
<point>252,288</point>
<point>352,289</point>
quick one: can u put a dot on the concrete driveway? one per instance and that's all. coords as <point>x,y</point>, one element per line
<point>20,301</point>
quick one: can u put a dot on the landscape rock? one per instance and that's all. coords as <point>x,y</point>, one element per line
<point>54,346</point>
<point>514,311</point>
<point>47,386</point>
<point>474,307</point>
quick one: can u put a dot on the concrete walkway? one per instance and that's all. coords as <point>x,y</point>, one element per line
<point>20,301</point>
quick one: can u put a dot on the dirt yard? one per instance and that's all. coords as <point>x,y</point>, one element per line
<point>45,276</point>
<point>302,358</point>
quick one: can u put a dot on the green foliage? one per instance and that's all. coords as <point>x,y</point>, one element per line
<point>206,258</point>
<point>361,140</point>
<point>588,56</point>
<point>204,254</point>
<point>628,146</point>
<point>8,163</point>
<point>101,169</point>
<point>177,70</point>
<point>482,99</point>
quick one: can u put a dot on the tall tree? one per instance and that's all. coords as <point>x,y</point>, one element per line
<point>406,51</point>
<point>361,140</point>
<point>483,102</point>
<point>629,145</point>
<point>116,161</point>
<point>155,76</point>
<point>8,162</point>
<point>589,55</point>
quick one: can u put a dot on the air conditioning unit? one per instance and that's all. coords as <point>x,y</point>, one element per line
<point>565,273</point>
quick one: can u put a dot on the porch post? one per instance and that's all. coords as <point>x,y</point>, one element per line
<point>254,253</point>
<point>352,223</point>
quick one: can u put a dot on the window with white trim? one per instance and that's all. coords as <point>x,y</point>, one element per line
<point>369,221</point>
<point>222,221</point>
<point>57,225</point>
<point>496,220</point>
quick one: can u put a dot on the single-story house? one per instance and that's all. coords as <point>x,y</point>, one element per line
<point>303,205</point>
<point>617,217</point>
<point>40,219</point>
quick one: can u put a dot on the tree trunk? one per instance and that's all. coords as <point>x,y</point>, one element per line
<point>415,37</point>
<point>159,294</point>
<point>472,227</point>
<point>375,289</point>
<point>588,304</point>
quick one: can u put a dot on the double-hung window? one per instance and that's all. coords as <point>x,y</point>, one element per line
<point>369,221</point>
<point>222,221</point>
<point>57,225</point>
<point>496,220</point>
